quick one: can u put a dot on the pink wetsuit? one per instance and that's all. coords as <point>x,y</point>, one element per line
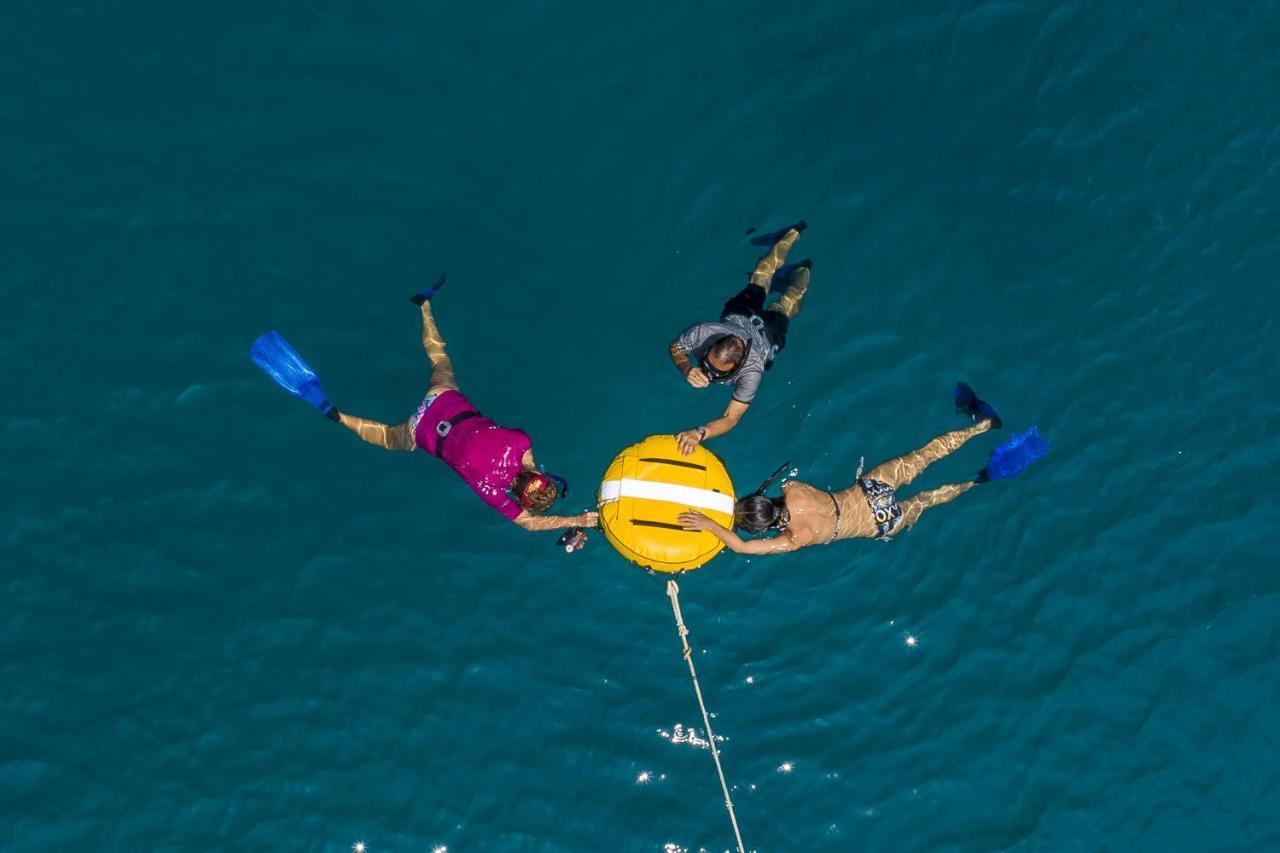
<point>485,455</point>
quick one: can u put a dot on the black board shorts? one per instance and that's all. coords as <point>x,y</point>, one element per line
<point>749,302</point>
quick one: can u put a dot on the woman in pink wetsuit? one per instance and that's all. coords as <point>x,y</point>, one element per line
<point>494,461</point>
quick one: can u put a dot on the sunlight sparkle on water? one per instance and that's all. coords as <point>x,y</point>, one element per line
<point>786,767</point>
<point>911,640</point>
<point>643,777</point>
<point>358,847</point>
<point>679,734</point>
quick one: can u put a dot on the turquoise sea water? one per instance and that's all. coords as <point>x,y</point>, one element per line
<point>227,624</point>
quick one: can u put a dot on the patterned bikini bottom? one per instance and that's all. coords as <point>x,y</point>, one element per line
<point>884,506</point>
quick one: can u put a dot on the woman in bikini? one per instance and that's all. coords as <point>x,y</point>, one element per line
<point>868,509</point>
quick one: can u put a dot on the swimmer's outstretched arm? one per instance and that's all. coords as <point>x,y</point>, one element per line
<point>784,541</point>
<point>691,438</point>
<point>536,523</point>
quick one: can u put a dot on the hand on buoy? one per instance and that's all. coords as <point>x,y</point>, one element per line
<point>688,441</point>
<point>695,521</point>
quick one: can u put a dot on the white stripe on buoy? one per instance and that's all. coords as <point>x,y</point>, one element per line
<point>688,496</point>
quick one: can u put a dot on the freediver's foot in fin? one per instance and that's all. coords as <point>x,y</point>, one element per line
<point>1014,456</point>
<point>425,295</point>
<point>968,403</point>
<point>281,362</point>
<point>783,276</point>
<point>774,236</point>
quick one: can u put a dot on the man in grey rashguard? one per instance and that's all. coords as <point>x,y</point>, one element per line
<point>741,347</point>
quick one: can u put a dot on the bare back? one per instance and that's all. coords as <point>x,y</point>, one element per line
<point>813,515</point>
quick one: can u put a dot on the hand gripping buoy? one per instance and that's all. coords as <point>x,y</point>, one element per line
<point>643,491</point>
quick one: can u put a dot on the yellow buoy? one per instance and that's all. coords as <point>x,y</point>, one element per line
<point>643,491</point>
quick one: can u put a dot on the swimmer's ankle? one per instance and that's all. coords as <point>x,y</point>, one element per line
<point>422,297</point>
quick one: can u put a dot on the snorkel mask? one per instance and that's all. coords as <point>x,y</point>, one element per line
<point>714,373</point>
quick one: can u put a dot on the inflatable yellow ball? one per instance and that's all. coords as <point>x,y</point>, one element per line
<point>643,491</point>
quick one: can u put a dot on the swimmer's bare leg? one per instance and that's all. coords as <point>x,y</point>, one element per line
<point>902,470</point>
<point>773,259</point>
<point>398,437</point>
<point>788,303</point>
<point>914,506</point>
<point>442,378</point>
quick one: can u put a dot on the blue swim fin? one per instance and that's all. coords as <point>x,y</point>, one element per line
<point>1014,456</point>
<point>783,276</point>
<point>774,236</point>
<point>967,403</point>
<point>425,295</point>
<point>283,364</point>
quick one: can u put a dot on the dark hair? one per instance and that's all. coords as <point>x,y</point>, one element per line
<point>756,513</point>
<point>730,348</point>
<point>535,496</point>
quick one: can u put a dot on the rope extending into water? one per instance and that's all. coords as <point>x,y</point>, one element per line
<point>673,592</point>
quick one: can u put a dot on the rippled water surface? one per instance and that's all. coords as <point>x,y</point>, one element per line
<point>229,625</point>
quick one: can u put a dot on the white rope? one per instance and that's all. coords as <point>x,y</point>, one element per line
<point>673,592</point>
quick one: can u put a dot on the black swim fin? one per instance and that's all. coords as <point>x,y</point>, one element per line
<point>782,277</point>
<point>967,403</point>
<point>774,236</point>
<point>425,295</point>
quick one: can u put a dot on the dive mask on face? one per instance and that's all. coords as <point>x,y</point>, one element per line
<point>714,373</point>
